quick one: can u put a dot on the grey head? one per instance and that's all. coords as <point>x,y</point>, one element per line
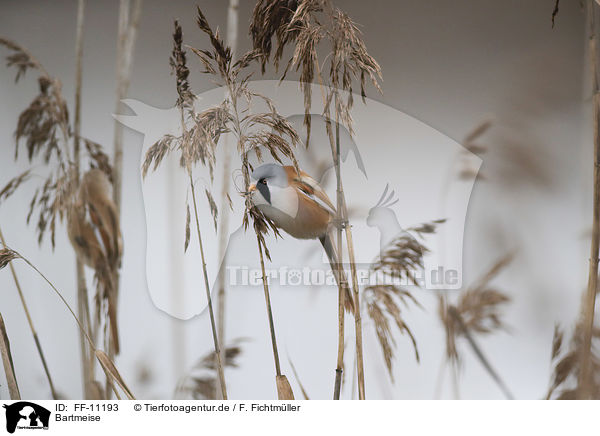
<point>274,174</point>
<point>269,175</point>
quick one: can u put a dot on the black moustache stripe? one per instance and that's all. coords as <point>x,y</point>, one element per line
<point>264,190</point>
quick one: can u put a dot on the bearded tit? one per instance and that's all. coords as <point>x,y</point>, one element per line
<point>93,228</point>
<point>296,204</point>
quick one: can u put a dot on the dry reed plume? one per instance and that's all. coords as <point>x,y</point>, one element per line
<point>567,365</point>
<point>578,371</point>
<point>45,129</point>
<point>197,146</point>
<point>320,44</point>
<point>202,381</point>
<point>401,258</point>
<point>307,25</point>
<point>255,133</point>
<point>476,312</point>
<point>231,40</point>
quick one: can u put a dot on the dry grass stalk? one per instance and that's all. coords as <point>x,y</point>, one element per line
<point>341,280</point>
<point>383,304</point>
<point>95,390</point>
<point>109,367</point>
<point>78,80</point>
<point>297,377</point>
<point>284,389</point>
<point>484,360</point>
<point>45,128</point>
<point>339,370</point>
<point>129,17</point>
<point>196,145</point>
<point>187,228</point>
<point>586,369</point>
<point>87,361</point>
<point>567,365</point>
<point>232,36</point>
<point>13,184</point>
<point>185,101</point>
<point>220,366</point>
<point>402,258</point>
<point>9,367</point>
<point>202,381</point>
<point>471,144</point>
<point>95,235</point>
<point>255,132</point>
<point>36,339</point>
<point>309,24</point>
<point>555,11</point>
<point>356,297</point>
<point>7,255</point>
<point>476,312</point>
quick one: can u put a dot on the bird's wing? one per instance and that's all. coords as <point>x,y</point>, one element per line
<point>84,237</point>
<point>103,215</point>
<point>311,189</point>
<point>94,194</point>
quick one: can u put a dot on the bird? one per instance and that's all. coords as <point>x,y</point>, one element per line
<point>93,229</point>
<point>296,204</point>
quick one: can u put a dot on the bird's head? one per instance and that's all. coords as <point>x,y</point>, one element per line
<point>382,211</point>
<point>273,191</point>
<point>270,180</point>
<point>292,200</point>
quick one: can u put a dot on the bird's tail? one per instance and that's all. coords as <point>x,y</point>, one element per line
<point>105,278</point>
<point>338,270</point>
<point>112,318</point>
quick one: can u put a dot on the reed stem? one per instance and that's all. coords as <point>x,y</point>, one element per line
<point>129,17</point>
<point>343,223</point>
<point>127,32</point>
<point>584,390</point>
<point>484,361</point>
<point>232,35</point>
<point>7,361</point>
<point>284,390</point>
<point>87,363</point>
<point>341,291</point>
<point>357,316</point>
<point>31,326</point>
<point>97,353</point>
<point>208,297</point>
<point>269,310</point>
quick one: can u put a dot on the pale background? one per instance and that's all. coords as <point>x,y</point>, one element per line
<point>450,65</point>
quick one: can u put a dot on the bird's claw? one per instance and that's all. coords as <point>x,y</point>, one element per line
<point>340,223</point>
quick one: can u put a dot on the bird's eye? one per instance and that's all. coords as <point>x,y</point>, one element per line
<point>263,181</point>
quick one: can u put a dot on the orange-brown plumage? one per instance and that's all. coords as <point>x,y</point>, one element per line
<point>296,203</point>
